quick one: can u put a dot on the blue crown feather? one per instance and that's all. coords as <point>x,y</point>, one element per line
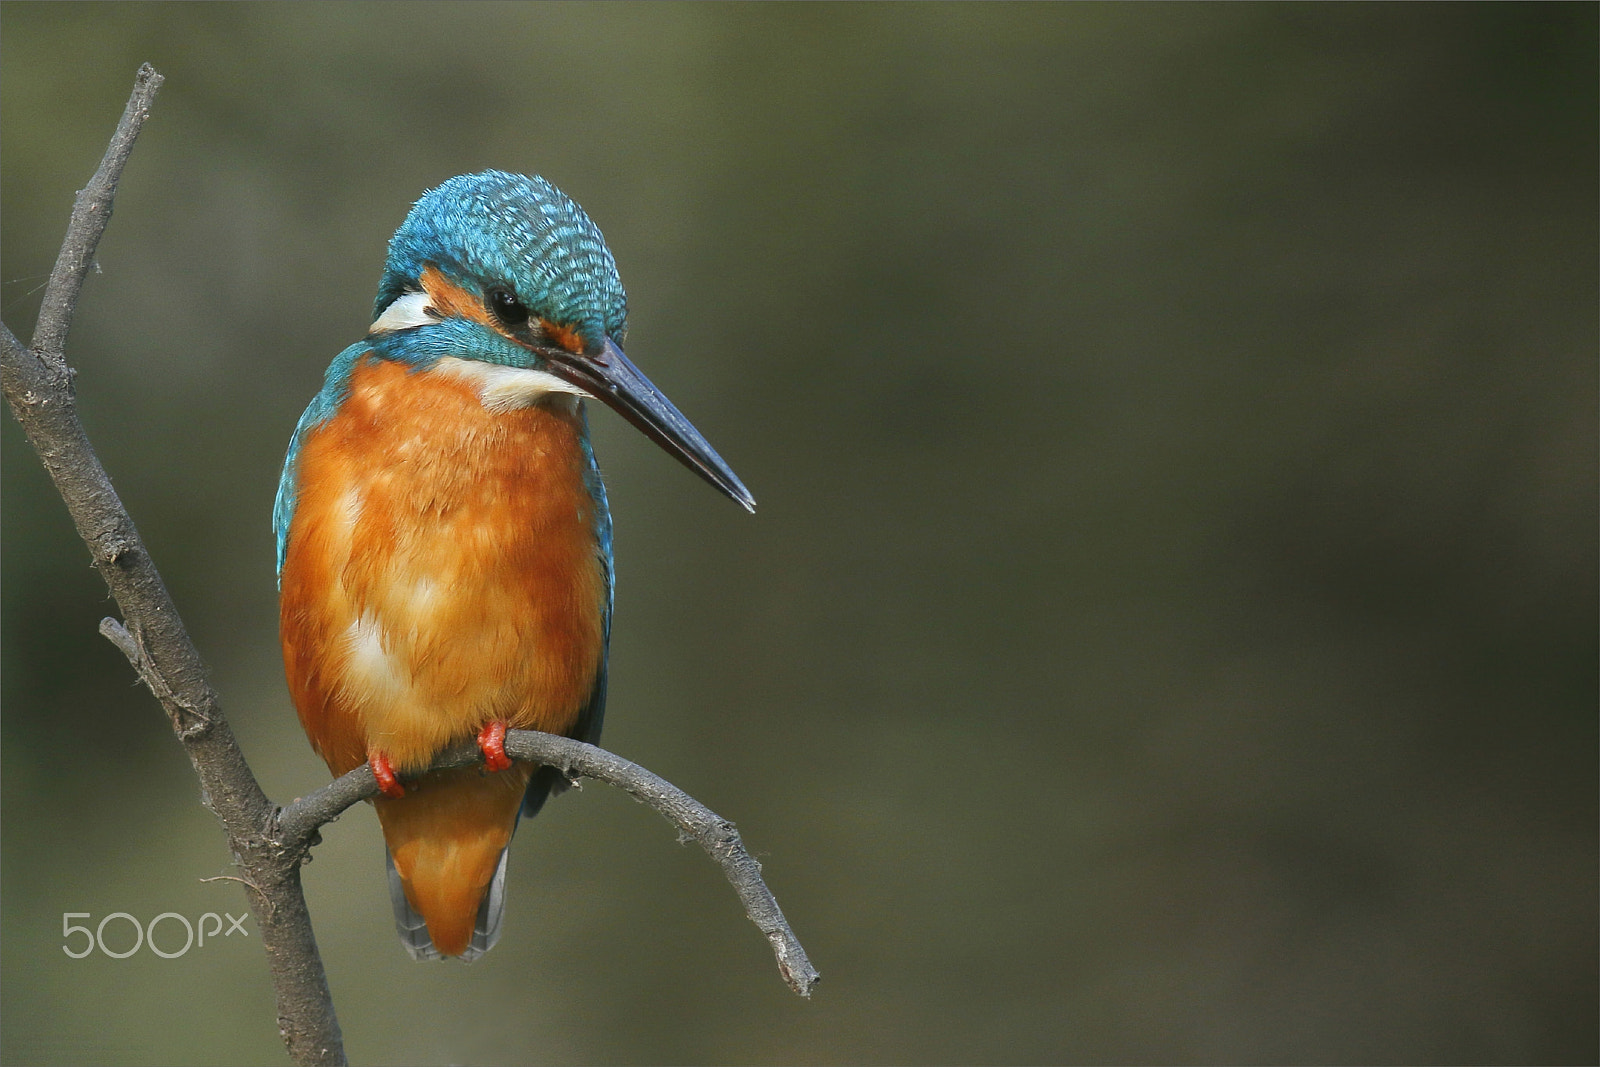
<point>516,231</point>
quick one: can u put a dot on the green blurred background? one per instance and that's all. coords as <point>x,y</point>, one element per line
<point>1169,629</point>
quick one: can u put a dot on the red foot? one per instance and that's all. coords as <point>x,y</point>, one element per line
<point>492,740</point>
<point>383,771</point>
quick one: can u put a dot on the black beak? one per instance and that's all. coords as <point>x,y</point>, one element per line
<point>611,378</point>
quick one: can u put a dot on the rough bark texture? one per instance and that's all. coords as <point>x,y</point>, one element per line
<point>38,386</point>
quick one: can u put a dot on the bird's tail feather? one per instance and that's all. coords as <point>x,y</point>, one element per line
<point>447,841</point>
<point>413,928</point>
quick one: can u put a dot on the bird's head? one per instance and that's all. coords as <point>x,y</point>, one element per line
<point>509,279</point>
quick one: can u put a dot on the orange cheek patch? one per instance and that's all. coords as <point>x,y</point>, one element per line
<point>565,336</point>
<point>452,301</point>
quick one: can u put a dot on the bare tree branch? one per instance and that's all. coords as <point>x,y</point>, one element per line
<point>268,844</point>
<point>37,384</point>
<point>299,820</point>
<point>90,213</point>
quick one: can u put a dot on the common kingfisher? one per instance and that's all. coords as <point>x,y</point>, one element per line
<point>444,542</point>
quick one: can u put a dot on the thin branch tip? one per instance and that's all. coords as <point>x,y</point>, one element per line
<point>113,630</point>
<point>91,211</point>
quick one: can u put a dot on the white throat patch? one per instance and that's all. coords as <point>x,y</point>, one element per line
<point>502,388</point>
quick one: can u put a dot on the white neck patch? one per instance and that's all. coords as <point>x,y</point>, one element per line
<point>408,311</point>
<point>502,388</point>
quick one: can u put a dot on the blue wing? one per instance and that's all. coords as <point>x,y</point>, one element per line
<point>549,781</point>
<point>335,387</point>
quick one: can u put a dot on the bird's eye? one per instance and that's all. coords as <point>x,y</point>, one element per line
<point>505,306</point>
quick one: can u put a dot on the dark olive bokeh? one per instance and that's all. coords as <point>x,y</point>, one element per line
<point>1169,628</point>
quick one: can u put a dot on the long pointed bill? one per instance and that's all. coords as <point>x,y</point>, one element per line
<point>614,380</point>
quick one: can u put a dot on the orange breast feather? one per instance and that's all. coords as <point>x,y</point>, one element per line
<point>441,573</point>
<point>441,570</point>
